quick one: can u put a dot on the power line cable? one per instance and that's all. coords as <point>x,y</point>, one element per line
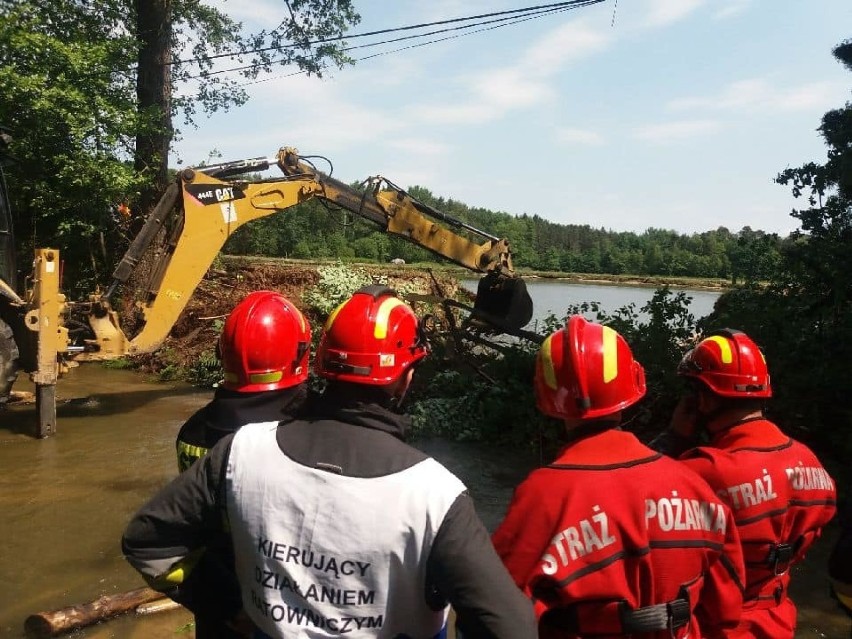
<point>565,4</point>
<point>505,21</point>
<point>511,20</point>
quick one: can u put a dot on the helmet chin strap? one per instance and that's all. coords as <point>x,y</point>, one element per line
<point>401,391</point>
<point>703,420</point>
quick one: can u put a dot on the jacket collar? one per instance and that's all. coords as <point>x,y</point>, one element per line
<point>368,414</point>
<point>750,433</point>
<point>605,448</point>
<point>230,409</point>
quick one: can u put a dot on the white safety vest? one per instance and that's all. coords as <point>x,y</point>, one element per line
<point>323,555</point>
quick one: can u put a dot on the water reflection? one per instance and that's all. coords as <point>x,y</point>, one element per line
<point>554,296</point>
<point>66,499</point>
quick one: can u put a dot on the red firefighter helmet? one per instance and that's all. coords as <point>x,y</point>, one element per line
<point>586,370</point>
<point>730,364</point>
<point>265,344</point>
<point>372,338</point>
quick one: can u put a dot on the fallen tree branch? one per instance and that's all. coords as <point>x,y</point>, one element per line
<point>55,622</point>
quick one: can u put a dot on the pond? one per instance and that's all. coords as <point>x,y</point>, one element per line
<point>555,296</point>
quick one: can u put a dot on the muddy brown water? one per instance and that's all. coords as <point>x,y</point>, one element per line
<point>65,501</point>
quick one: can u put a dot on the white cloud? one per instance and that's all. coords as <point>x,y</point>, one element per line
<point>561,46</point>
<point>314,115</point>
<point>664,12</point>
<point>675,131</point>
<point>523,85</point>
<point>758,94</point>
<point>265,14</point>
<point>810,96</point>
<point>731,9</point>
<point>454,114</point>
<point>445,9</point>
<point>579,136</point>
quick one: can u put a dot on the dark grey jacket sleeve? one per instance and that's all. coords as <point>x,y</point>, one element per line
<point>465,570</point>
<point>168,538</point>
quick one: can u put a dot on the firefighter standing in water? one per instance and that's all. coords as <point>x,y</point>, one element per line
<point>338,526</point>
<point>613,539</point>
<point>264,349</point>
<point>780,494</point>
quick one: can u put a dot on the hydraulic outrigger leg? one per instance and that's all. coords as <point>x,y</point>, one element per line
<point>45,318</point>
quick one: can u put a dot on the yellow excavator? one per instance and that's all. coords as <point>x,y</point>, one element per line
<point>199,211</point>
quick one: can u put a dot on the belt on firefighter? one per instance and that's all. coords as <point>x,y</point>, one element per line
<point>779,557</point>
<point>775,557</point>
<point>770,595</point>
<point>666,616</point>
<point>618,617</point>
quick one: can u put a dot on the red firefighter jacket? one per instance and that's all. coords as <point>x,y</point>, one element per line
<point>781,498</point>
<point>614,539</point>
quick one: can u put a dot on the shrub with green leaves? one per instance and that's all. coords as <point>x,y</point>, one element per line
<point>206,371</point>
<point>337,283</point>
<point>480,393</point>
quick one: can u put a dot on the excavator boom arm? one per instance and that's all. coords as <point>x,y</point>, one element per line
<point>204,207</point>
<point>399,214</point>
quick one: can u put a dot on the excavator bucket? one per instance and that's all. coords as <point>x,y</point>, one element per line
<point>503,301</point>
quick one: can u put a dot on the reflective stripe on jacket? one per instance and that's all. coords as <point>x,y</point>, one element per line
<point>613,536</point>
<point>781,498</point>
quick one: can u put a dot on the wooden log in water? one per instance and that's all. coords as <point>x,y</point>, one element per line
<point>56,622</point>
<point>160,605</point>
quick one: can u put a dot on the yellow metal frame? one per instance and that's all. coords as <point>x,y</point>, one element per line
<point>47,308</point>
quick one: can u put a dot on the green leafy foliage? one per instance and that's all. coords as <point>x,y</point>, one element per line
<point>121,363</point>
<point>206,371</point>
<point>77,100</point>
<point>480,395</point>
<point>72,116</point>
<point>487,394</point>
<point>803,319</point>
<point>337,283</point>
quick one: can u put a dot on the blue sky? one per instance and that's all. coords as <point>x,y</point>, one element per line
<point>677,114</point>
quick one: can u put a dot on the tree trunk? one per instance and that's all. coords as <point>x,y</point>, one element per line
<point>154,95</point>
<point>55,622</point>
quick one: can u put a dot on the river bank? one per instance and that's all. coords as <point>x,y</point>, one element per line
<point>656,281</point>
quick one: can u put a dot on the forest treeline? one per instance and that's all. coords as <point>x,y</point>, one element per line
<point>313,230</point>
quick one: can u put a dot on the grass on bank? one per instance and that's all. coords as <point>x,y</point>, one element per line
<point>459,272</point>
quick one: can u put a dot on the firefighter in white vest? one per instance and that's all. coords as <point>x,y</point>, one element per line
<point>340,528</point>
<point>264,350</point>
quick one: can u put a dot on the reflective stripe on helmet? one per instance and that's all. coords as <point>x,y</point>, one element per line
<point>332,317</point>
<point>303,323</point>
<point>266,378</point>
<point>256,378</point>
<point>547,369</point>
<point>724,347</point>
<point>380,331</point>
<point>264,344</point>
<point>610,354</point>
